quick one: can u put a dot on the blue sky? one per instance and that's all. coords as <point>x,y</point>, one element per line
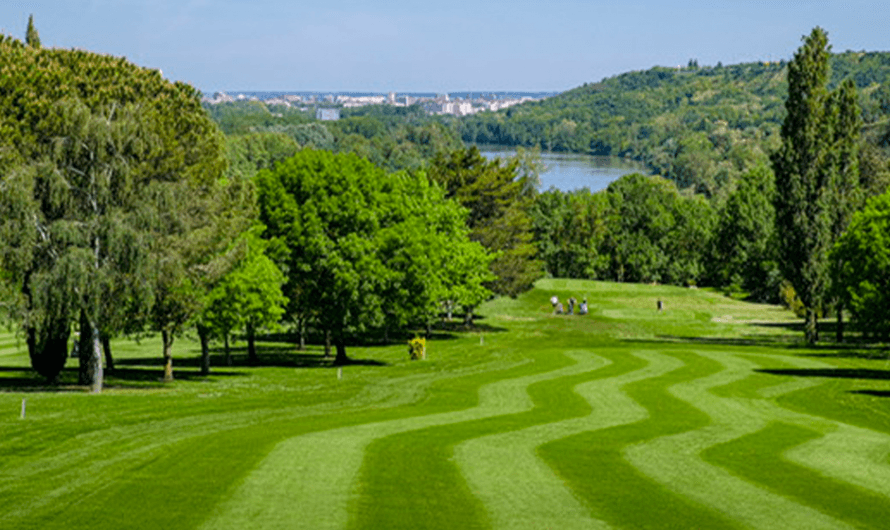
<point>428,46</point>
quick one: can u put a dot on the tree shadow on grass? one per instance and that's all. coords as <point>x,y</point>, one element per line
<point>874,393</point>
<point>858,349</point>
<point>119,379</point>
<point>441,330</point>
<point>841,373</point>
<point>146,373</point>
<point>277,356</point>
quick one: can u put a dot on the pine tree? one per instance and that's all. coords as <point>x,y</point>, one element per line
<point>32,39</point>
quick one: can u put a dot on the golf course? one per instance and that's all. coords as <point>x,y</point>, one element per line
<point>711,413</point>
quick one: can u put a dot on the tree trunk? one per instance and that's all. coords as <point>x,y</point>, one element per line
<point>840,321</point>
<point>811,327</point>
<point>327,343</point>
<point>251,345</point>
<point>228,350</point>
<point>204,336</point>
<point>341,358</point>
<point>90,354</point>
<point>167,338</point>
<point>301,328</point>
<point>468,316</point>
<point>106,347</point>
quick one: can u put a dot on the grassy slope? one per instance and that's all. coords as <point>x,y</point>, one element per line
<point>700,416</point>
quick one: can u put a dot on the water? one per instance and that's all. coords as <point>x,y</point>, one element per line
<point>573,171</point>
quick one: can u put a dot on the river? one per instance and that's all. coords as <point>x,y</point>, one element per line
<point>573,171</point>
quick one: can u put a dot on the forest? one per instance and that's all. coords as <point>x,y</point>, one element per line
<point>128,208</point>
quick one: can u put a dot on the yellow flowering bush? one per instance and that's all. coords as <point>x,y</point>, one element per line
<point>417,348</point>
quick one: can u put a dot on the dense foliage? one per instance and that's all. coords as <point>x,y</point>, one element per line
<point>863,258</point>
<point>498,194</point>
<point>94,150</point>
<point>817,173</point>
<point>393,138</point>
<point>364,248</point>
<point>640,229</point>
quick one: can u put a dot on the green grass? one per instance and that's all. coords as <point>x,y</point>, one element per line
<point>710,414</point>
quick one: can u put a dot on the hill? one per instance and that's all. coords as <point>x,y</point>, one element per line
<point>699,126</point>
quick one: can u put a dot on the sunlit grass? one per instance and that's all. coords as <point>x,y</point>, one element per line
<point>527,421</point>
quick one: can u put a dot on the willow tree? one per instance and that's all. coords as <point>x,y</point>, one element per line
<point>87,142</point>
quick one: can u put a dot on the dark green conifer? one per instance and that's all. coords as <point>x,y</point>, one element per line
<point>32,39</point>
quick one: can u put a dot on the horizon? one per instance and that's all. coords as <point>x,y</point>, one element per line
<point>394,46</point>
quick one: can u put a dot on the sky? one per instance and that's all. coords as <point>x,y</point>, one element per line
<point>428,46</point>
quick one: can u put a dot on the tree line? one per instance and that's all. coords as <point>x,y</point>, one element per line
<point>124,210</point>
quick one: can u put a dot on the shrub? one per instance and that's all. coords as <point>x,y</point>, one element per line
<point>417,348</point>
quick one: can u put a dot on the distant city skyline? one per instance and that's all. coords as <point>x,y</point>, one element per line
<point>446,47</point>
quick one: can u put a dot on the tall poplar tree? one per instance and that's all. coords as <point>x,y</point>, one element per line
<point>802,220</point>
<point>816,174</point>
<point>847,192</point>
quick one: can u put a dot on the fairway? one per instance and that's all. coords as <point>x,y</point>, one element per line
<point>708,414</point>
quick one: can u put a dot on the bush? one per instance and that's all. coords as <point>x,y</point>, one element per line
<point>788,297</point>
<point>417,348</point>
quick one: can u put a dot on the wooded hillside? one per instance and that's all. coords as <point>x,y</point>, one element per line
<point>699,126</point>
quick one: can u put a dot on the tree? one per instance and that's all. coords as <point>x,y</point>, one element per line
<point>846,190</point>
<point>191,251</point>
<point>248,297</point>
<point>249,153</point>
<point>32,39</point>
<point>569,232</point>
<point>498,196</point>
<point>640,220</point>
<point>85,152</point>
<point>862,260</point>
<point>744,242</point>
<point>363,248</point>
<point>816,174</point>
<point>655,234</point>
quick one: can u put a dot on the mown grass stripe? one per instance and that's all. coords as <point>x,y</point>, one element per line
<point>757,458</point>
<point>68,473</point>
<point>851,454</point>
<point>287,485</point>
<point>516,487</point>
<point>847,453</point>
<point>593,465</point>
<point>674,460</point>
<point>397,467</point>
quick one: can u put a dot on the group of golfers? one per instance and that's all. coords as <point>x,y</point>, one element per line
<point>559,309</point>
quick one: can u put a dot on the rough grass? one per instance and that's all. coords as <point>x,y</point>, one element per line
<point>710,414</point>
